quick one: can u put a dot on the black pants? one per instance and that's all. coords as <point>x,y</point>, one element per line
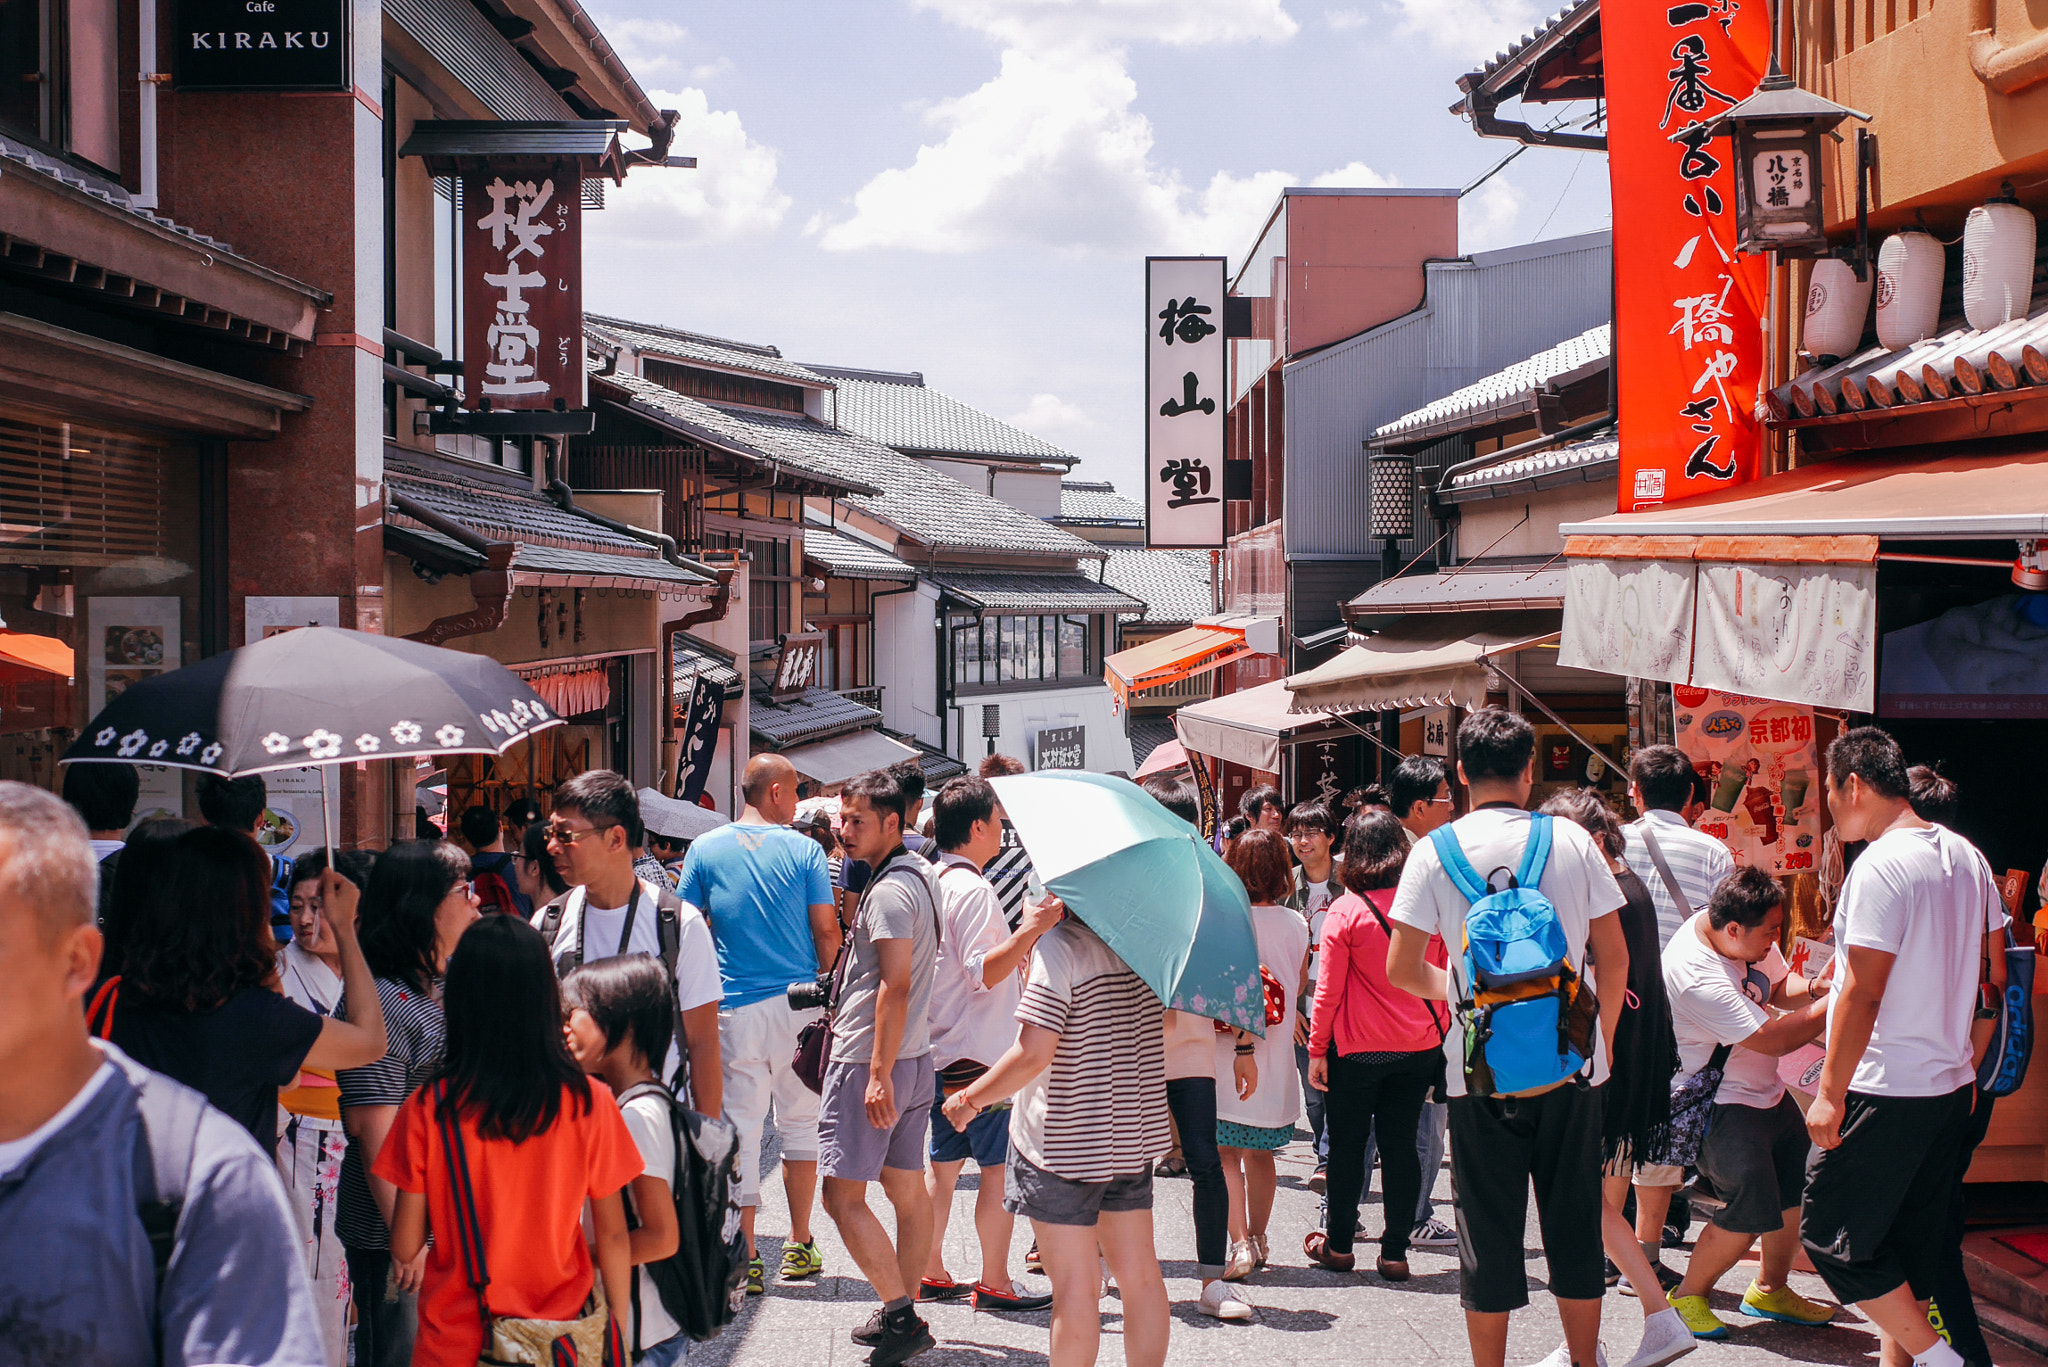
<point>1499,1149</point>
<point>1877,1207</point>
<point>1389,1093</point>
<point>1192,1100</point>
<point>385,1324</point>
<point>1952,1299</point>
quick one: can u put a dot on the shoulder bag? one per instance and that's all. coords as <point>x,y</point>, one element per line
<point>1685,908</point>
<point>592,1337</point>
<point>1692,1111</point>
<point>2002,1035</point>
<point>1440,1086</point>
<point>814,1042</point>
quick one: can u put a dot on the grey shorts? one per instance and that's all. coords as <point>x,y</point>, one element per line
<point>1031,1191</point>
<point>852,1149</point>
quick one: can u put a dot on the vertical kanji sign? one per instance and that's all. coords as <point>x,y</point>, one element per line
<point>522,287</point>
<point>1687,310</point>
<point>1185,401</point>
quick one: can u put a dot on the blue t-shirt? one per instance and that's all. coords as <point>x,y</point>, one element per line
<point>77,1284</point>
<point>756,885</point>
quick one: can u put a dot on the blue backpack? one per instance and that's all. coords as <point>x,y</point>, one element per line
<point>1528,1016</point>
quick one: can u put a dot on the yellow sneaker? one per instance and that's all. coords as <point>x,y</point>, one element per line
<point>1785,1305</point>
<point>1701,1321</point>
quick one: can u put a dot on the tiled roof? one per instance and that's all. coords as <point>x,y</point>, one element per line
<point>1087,503</point>
<point>844,557</point>
<point>715,351</point>
<point>695,658</point>
<point>1149,731</point>
<point>1008,592</point>
<point>1570,17</point>
<point>1957,361</point>
<point>1473,404</point>
<point>21,154</point>
<point>814,714</point>
<point>1584,459</point>
<point>936,765</point>
<point>721,428</point>
<point>1173,585</point>
<point>904,412</point>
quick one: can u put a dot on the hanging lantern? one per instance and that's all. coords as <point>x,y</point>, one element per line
<point>1393,496</point>
<point>1998,264</point>
<point>1837,306</point>
<point>1777,133</point>
<point>1909,268</point>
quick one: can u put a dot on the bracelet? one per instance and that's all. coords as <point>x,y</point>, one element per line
<point>1245,1049</point>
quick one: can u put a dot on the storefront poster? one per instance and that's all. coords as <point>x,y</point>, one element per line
<point>1986,659</point>
<point>291,824</point>
<point>1690,320</point>
<point>128,640</point>
<point>1803,633</point>
<point>1763,776</point>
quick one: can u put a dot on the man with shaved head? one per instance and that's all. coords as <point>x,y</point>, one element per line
<point>123,1196</point>
<point>767,892</point>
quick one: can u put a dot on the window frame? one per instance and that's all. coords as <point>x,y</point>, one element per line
<point>1023,651</point>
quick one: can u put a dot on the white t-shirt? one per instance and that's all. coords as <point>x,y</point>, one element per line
<point>1927,896</point>
<point>697,980</point>
<point>1283,939</point>
<point>969,1019</point>
<point>646,1119</point>
<point>1717,1000</point>
<point>1576,879</point>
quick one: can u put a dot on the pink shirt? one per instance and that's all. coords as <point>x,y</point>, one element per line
<point>1354,1001</point>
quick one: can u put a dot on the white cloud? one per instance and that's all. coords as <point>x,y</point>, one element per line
<point>1345,20</point>
<point>1049,413</point>
<point>648,47</point>
<point>1471,28</point>
<point>731,195</point>
<point>1487,217</point>
<point>1355,176</point>
<point>1053,151</point>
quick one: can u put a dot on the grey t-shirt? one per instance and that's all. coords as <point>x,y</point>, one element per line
<point>77,1284</point>
<point>900,904</point>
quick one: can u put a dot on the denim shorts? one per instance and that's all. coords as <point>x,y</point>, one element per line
<point>986,1139</point>
<point>1031,1191</point>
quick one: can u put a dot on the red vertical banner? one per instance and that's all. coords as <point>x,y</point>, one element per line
<point>1688,311</point>
<point>522,287</point>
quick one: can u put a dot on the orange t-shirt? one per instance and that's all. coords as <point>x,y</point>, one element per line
<point>529,1202</point>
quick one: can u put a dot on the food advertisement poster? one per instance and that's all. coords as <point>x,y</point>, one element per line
<point>128,640</point>
<point>1763,776</point>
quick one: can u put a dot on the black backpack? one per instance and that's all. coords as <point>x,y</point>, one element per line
<point>702,1284</point>
<point>668,927</point>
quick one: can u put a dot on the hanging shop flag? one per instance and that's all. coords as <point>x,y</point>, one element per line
<point>1802,632</point>
<point>1761,766</point>
<point>1688,310</point>
<point>697,736</point>
<point>522,287</point>
<point>1185,402</point>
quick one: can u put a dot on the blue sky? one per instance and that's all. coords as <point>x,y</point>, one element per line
<point>969,187</point>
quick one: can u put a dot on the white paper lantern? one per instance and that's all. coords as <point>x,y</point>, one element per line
<point>1909,267</point>
<point>1837,303</point>
<point>1998,264</point>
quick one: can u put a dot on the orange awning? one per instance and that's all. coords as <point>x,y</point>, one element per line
<point>1172,658</point>
<point>44,653</point>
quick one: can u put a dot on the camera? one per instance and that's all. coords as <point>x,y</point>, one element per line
<point>811,995</point>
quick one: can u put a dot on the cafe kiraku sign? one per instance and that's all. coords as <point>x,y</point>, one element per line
<point>1185,401</point>
<point>1687,314</point>
<point>522,287</point>
<point>260,45</point>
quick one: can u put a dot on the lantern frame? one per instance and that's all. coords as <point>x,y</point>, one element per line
<point>1776,135</point>
<point>1391,513</point>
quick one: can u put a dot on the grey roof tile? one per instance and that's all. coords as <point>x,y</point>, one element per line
<point>1582,455</point>
<point>695,658</point>
<point>1594,344</point>
<point>1173,585</point>
<point>1097,504</point>
<point>514,513</point>
<point>721,352</point>
<point>997,591</point>
<point>725,428</point>
<point>904,412</point>
<point>1149,731</point>
<point>845,557</point>
<point>814,714</point>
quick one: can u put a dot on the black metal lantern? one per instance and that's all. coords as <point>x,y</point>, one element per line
<point>1393,496</point>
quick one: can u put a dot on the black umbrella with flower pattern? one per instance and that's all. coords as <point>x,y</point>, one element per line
<point>315,696</point>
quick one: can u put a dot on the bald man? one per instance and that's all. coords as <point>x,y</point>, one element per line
<point>767,893</point>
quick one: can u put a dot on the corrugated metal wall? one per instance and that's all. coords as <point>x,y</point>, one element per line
<point>1479,315</point>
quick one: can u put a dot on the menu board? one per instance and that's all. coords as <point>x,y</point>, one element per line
<point>1763,775</point>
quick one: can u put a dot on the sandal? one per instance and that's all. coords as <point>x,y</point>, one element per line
<point>1171,1167</point>
<point>1390,1269</point>
<point>1317,1248</point>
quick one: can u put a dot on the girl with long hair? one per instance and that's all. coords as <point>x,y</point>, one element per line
<point>415,907</point>
<point>198,999</point>
<point>534,1139</point>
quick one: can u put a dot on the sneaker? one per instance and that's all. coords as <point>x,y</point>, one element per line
<point>1561,1356</point>
<point>1032,1262</point>
<point>1609,1271</point>
<point>870,1333</point>
<point>1018,1299</point>
<point>756,1281</point>
<point>932,1289</point>
<point>1319,1179</point>
<point>1665,1340</point>
<point>1784,1305</point>
<point>1240,1264</point>
<point>1699,1319</point>
<point>903,1337</point>
<point>801,1260</point>
<point>1221,1300</point>
<point>1667,1278</point>
<point>1433,1233</point>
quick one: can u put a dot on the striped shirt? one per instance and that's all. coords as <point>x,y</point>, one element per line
<point>1699,863</point>
<point>418,1032</point>
<point>1100,1110</point>
<point>1009,873</point>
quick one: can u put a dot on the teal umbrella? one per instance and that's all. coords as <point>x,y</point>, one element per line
<point>1143,880</point>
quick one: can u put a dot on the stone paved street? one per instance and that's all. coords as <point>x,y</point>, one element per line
<point>1306,1315</point>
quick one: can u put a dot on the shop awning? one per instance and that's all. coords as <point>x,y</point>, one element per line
<point>44,654</point>
<point>1423,663</point>
<point>1165,756</point>
<point>1466,589</point>
<point>842,757</point>
<point>1247,727</point>
<point>1183,655</point>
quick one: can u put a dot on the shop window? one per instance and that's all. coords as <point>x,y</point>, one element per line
<point>60,78</point>
<point>770,586</point>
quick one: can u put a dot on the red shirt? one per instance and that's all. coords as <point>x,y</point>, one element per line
<point>529,1202</point>
<point>1354,1001</point>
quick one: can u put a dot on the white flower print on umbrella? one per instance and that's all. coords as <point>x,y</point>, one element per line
<point>322,744</point>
